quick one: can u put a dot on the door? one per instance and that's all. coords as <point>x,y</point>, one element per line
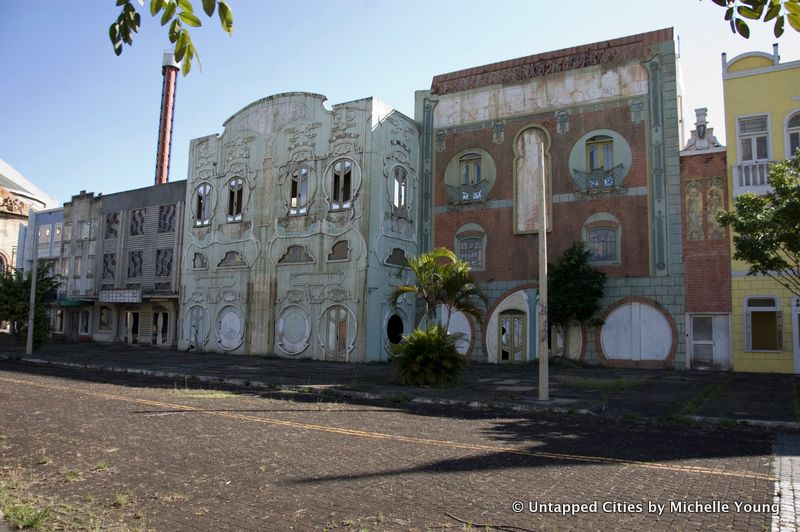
<point>336,331</point>
<point>131,327</point>
<point>159,331</point>
<point>702,342</point>
<point>512,337</point>
<point>710,345</point>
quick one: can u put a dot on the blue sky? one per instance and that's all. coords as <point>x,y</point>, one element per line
<point>73,116</point>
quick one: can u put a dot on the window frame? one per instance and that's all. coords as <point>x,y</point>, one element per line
<point>605,148</point>
<point>299,191</point>
<point>603,221</point>
<point>467,232</point>
<point>748,322</point>
<point>342,185</point>
<point>235,188</point>
<point>201,203</point>
<point>399,190</point>
<point>135,213</point>
<point>789,131</point>
<point>752,137</point>
<point>469,168</point>
<point>163,227</point>
<point>112,225</point>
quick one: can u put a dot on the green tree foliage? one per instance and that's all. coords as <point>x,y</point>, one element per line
<point>15,293</point>
<point>428,357</point>
<point>574,289</point>
<point>738,12</point>
<point>178,14</point>
<point>443,279</point>
<point>767,228</point>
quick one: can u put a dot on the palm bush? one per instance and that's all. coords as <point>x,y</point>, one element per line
<point>428,357</point>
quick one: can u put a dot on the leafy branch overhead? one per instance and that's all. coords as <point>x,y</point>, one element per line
<point>178,14</point>
<point>738,12</point>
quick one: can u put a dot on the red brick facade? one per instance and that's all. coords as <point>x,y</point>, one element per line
<point>510,256</point>
<point>706,248</point>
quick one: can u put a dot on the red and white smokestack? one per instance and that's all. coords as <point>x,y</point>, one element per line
<point>170,72</point>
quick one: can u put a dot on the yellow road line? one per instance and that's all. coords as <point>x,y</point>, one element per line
<point>406,439</point>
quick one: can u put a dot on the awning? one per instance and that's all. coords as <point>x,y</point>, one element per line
<point>74,303</point>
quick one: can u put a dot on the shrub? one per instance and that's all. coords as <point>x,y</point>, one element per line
<point>428,357</point>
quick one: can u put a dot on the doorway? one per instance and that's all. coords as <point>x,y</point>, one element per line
<point>710,341</point>
<point>160,327</point>
<point>131,327</point>
<point>512,337</point>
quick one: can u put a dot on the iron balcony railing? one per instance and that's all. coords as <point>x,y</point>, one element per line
<point>468,193</point>
<point>599,180</point>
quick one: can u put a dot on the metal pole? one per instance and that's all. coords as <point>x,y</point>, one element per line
<point>31,304</point>
<point>544,377</point>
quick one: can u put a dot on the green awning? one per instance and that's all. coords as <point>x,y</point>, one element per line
<point>74,303</point>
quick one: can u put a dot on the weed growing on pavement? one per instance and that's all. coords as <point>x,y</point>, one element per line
<point>25,515</point>
<point>402,398</point>
<point>594,384</point>
<point>677,419</point>
<point>120,500</point>
<point>73,475</point>
<point>694,405</point>
<point>100,466</point>
<point>191,393</point>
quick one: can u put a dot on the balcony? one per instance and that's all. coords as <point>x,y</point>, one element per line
<point>599,180</point>
<point>468,193</point>
<point>751,177</point>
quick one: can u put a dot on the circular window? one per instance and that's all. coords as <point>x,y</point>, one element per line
<point>394,329</point>
<point>293,328</point>
<point>230,328</point>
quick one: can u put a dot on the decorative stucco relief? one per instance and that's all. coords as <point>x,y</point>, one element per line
<point>694,210</point>
<point>715,202</point>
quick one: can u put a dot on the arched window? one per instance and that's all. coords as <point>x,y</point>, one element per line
<point>602,244</point>
<point>793,134</point>
<point>602,233</point>
<point>298,202</point>
<point>400,178</point>
<point>342,191</point>
<point>470,245</point>
<point>202,206</point>
<point>235,197</point>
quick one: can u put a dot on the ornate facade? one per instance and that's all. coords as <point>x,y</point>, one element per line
<point>298,221</point>
<point>601,121</point>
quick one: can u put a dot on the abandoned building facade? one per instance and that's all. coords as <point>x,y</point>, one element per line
<point>604,118</point>
<point>294,223</point>
<point>299,220</point>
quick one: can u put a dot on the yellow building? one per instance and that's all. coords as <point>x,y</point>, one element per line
<point>762,123</point>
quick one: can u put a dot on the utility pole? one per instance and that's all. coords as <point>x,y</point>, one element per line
<point>32,302</point>
<point>544,377</point>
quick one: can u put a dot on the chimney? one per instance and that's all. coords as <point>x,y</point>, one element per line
<point>170,72</point>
